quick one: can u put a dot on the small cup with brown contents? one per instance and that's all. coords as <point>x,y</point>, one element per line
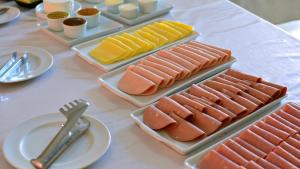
<point>55,20</point>
<point>74,27</point>
<point>91,15</point>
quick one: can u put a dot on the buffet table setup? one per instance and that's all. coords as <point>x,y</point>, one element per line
<point>146,84</point>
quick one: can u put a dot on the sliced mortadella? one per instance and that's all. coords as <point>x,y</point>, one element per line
<point>226,111</point>
<point>296,136</point>
<point>252,98</point>
<point>243,76</point>
<point>183,73</point>
<point>256,141</point>
<point>292,110</point>
<point>278,124</point>
<point>282,89</point>
<point>250,147</point>
<point>156,119</point>
<point>269,90</point>
<point>293,142</point>
<point>278,132</point>
<point>266,164</point>
<point>241,100</point>
<point>247,154</point>
<point>266,135</point>
<point>181,61</point>
<point>158,80</point>
<point>220,86</point>
<point>219,58</point>
<point>168,105</point>
<point>135,84</point>
<point>162,68</point>
<point>287,156</point>
<point>189,59</point>
<point>257,94</point>
<point>279,161</point>
<point>288,117</point>
<point>200,92</point>
<point>186,101</point>
<point>168,80</point>
<point>234,107</point>
<point>205,122</point>
<point>234,80</point>
<point>285,121</point>
<point>224,81</point>
<point>253,165</point>
<point>291,149</point>
<point>212,48</point>
<point>183,130</point>
<point>204,61</point>
<point>230,154</point>
<point>215,160</point>
<point>210,57</point>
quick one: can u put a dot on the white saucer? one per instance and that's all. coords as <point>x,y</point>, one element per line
<point>29,139</point>
<point>39,10</point>
<point>12,14</point>
<point>39,61</point>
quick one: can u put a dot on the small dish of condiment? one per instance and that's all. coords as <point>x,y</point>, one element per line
<point>74,27</point>
<point>91,15</point>
<point>147,6</point>
<point>129,10</point>
<point>113,5</point>
<point>55,20</point>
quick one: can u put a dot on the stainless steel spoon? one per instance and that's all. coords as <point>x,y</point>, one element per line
<point>3,10</point>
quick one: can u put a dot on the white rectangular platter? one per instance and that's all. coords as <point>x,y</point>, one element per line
<point>192,161</point>
<point>106,26</point>
<point>83,49</point>
<point>163,7</point>
<point>186,147</point>
<point>111,79</point>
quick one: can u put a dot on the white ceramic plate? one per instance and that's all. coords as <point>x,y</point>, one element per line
<point>83,49</point>
<point>187,147</point>
<point>12,14</point>
<point>39,61</point>
<point>30,138</point>
<point>163,7</point>
<point>192,161</point>
<point>39,10</point>
<point>110,81</point>
<point>106,26</point>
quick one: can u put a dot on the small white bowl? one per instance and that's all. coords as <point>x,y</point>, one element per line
<point>55,20</point>
<point>113,5</point>
<point>74,27</point>
<point>91,15</point>
<point>95,1</point>
<point>147,6</point>
<point>129,10</point>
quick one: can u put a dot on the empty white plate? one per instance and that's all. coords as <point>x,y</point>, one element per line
<point>30,138</point>
<point>39,61</point>
<point>12,14</point>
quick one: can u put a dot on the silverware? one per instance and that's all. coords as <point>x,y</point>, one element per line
<point>3,10</point>
<point>16,63</point>
<point>8,63</point>
<point>71,130</point>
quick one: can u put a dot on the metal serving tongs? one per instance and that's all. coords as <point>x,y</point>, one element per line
<point>12,64</point>
<point>72,129</point>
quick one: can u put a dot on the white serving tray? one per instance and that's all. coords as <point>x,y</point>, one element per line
<point>192,161</point>
<point>105,27</point>
<point>186,147</point>
<point>84,48</point>
<point>111,79</point>
<point>163,7</point>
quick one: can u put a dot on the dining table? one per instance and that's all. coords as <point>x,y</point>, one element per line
<point>260,47</point>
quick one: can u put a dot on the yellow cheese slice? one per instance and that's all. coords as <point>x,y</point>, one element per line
<point>162,39</point>
<point>136,48</point>
<point>129,50</point>
<point>180,29</point>
<point>171,37</point>
<point>147,36</point>
<point>182,25</point>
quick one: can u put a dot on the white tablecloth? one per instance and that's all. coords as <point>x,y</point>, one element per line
<point>260,47</point>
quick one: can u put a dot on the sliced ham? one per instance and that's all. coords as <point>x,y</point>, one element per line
<point>242,76</point>
<point>274,122</point>
<point>200,92</point>
<point>158,80</point>
<point>156,119</point>
<point>257,94</point>
<point>211,48</point>
<point>279,161</point>
<point>291,149</point>
<point>221,58</point>
<point>256,141</point>
<point>266,135</point>
<point>205,122</point>
<point>220,86</point>
<point>252,99</point>
<point>278,132</point>
<point>287,156</point>
<point>182,56</point>
<point>231,155</point>
<point>135,84</point>
<point>296,136</point>
<point>292,110</point>
<point>288,117</point>
<point>215,160</point>
<point>282,89</point>
<point>285,122</point>
<point>266,164</point>
<point>247,154</point>
<point>234,80</point>
<point>293,142</point>
<point>183,130</point>
<point>168,105</point>
<point>269,90</point>
<point>224,81</point>
<point>250,147</point>
<point>253,165</point>
<point>186,101</point>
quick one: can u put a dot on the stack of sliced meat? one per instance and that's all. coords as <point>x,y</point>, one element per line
<point>271,143</point>
<point>163,68</point>
<point>206,107</point>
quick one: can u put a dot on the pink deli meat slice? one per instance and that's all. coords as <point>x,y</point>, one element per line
<point>168,105</point>
<point>156,119</point>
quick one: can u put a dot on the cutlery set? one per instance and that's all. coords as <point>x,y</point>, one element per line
<point>13,64</point>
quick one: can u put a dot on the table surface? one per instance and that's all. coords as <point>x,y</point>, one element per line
<point>260,47</point>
